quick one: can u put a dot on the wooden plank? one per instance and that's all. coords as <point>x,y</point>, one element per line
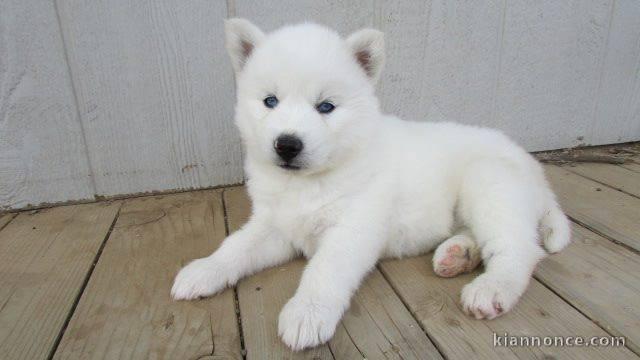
<point>343,16</point>
<point>632,166</point>
<point>442,59</point>
<point>588,273</point>
<point>551,62</point>
<point>376,326</point>
<point>635,164</point>
<point>434,301</point>
<point>125,310</point>
<point>155,93</point>
<point>262,296</point>
<point>617,105</point>
<point>614,176</point>
<point>379,326</point>
<point>406,25</point>
<point>42,151</point>
<point>600,208</point>
<point>45,257</point>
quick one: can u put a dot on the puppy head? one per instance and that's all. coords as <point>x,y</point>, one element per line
<point>306,97</point>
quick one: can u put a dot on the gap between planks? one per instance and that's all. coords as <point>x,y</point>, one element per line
<point>126,310</point>
<point>614,176</point>
<point>553,271</point>
<point>84,285</point>
<point>396,291</point>
<point>598,207</point>
<point>46,256</point>
<point>235,288</point>
<point>5,219</point>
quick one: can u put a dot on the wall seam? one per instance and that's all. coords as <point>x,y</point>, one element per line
<point>75,99</point>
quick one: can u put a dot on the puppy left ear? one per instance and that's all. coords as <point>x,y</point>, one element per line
<point>367,46</point>
<point>242,37</point>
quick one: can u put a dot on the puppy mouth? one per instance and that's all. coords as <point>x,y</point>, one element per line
<point>288,166</point>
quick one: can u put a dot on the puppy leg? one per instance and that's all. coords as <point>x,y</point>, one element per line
<point>457,255</point>
<point>499,206</point>
<point>347,252</point>
<point>248,250</point>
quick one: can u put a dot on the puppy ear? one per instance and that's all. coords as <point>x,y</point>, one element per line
<point>241,38</point>
<point>367,46</point>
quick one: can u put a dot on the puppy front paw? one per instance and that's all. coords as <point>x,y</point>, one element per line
<point>200,278</point>
<point>487,298</point>
<point>305,323</point>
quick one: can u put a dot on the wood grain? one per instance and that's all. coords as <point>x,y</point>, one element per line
<point>125,310</point>
<point>43,158</point>
<point>155,93</point>
<point>600,208</point>
<point>379,326</point>
<point>614,176</point>
<point>261,297</point>
<point>45,256</point>
<point>443,59</point>
<point>633,166</point>
<point>376,326</point>
<point>551,61</point>
<point>617,104</point>
<point>343,16</point>
<point>434,301</point>
<point>599,278</point>
<point>5,219</point>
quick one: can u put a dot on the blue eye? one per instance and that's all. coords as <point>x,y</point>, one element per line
<point>270,101</point>
<point>325,107</point>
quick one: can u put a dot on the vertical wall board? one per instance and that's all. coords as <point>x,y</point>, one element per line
<point>459,51</point>
<point>155,92</point>
<point>550,68</point>
<point>42,152</point>
<point>406,30</point>
<point>343,16</point>
<point>617,111</point>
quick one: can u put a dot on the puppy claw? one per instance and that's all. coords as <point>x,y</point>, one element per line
<point>488,298</point>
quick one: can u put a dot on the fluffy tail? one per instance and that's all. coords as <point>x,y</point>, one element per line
<point>555,227</point>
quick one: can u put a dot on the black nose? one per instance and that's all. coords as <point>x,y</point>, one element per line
<point>288,147</point>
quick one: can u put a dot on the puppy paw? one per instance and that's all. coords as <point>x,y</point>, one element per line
<point>304,323</point>
<point>487,298</point>
<point>456,256</point>
<point>200,278</point>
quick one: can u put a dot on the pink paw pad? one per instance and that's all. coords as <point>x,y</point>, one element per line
<point>457,260</point>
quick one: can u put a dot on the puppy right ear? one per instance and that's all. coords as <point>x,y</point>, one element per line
<point>242,37</point>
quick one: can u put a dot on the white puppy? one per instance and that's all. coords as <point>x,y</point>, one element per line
<point>334,179</point>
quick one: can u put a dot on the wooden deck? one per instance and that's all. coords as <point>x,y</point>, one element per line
<point>92,281</point>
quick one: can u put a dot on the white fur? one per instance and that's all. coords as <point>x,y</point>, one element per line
<point>371,185</point>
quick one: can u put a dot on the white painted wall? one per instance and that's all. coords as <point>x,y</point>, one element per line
<point>114,97</point>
